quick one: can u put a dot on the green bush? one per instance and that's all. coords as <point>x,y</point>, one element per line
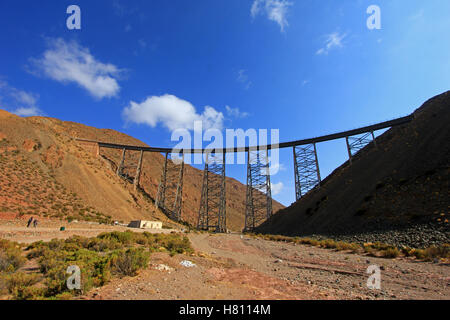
<point>20,286</point>
<point>125,238</point>
<point>103,245</point>
<point>121,253</point>
<point>94,268</point>
<point>178,245</point>
<point>11,259</point>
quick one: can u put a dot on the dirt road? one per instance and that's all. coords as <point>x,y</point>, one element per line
<point>16,230</point>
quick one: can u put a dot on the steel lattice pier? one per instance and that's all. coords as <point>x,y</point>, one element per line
<point>306,169</point>
<point>212,213</point>
<point>259,195</point>
<point>170,189</point>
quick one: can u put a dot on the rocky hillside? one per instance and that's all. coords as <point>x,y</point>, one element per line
<point>397,192</point>
<point>44,171</point>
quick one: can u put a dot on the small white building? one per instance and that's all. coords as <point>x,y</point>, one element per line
<point>142,224</point>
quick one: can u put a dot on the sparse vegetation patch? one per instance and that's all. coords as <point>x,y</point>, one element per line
<point>99,259</point>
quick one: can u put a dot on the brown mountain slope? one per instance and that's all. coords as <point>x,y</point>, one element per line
<point>43,170</point>
<point>403,185</point>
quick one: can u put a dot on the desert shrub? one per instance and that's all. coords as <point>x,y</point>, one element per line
<point>98,244</point>
<point>432,253</point>
<point>5,244</point>
<point>442,251</point>
<point>94,268</point>
<point>125,238</point>
<point>310,241</point>
<point>78,241</point>
<point>368,248</point>
<point>11,259</point>
<point>179,245</point>
<point>127,263</point>
<point>341,246</point>
<point>419,254</point>
<point>36,252</point>
<point>328,243</point>
<point>97,259</point>
<point>390,253</point>
<point>141,239</point>
<point>407,251</point>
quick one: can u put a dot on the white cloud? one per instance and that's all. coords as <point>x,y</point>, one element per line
<point>333,40</point>
<point>277,188</point>
<point>277,167</point>
<point>26,98</point>
<point>236,113</point>
<point>69,62</point>
<point>305,82</point>
<point>21,102</point>
<point>276,10</point>
<point>27,112</point>
<point>242,77</point>
<point>172,112</point>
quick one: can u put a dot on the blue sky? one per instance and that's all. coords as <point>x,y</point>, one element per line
<point>305,67</point>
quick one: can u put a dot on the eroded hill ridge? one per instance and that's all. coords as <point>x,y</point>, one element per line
<point>45,172</point>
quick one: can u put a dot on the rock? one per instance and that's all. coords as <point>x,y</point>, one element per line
<point>187,264</point>
<point>30,145</point>
<point>53,157</point>
<point>278,261</point>
<point>163,267</point>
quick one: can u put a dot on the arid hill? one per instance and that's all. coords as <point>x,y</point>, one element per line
<point>44,171</point>
<point>396,192</point>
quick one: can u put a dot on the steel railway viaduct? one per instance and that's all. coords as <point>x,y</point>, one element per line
<point>212,212</point>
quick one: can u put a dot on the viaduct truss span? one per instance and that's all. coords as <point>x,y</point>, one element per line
<point>212,211</point>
